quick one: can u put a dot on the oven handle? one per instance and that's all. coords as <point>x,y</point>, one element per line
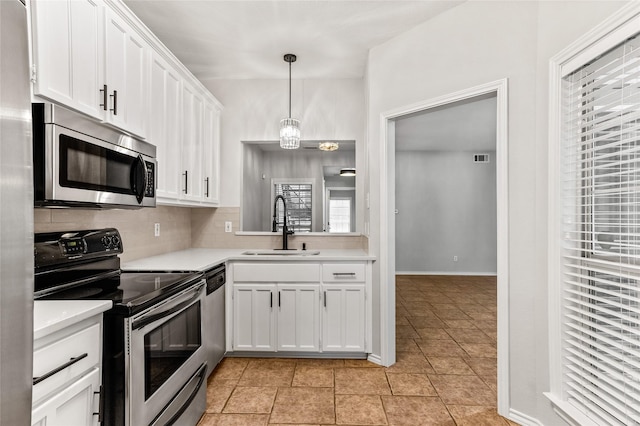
<point>200,374</point>
<point>163,312</point>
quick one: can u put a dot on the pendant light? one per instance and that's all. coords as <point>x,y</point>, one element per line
<point>289,127</point>
<point>350,171</point>
<point>328,146</point>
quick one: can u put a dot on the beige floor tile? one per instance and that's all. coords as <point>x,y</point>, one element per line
<point>359,410</point>
<point>313,377</point>
<point>360,363</point>
<point>426,321</point>
<point>473,415</point>
<point>433,334</point>
<point>320,363</point>
<point>453,323</point>
<point>450,365</point>
<point>406,332</point>
<point>304,405</point>
<point>463,390</point>
<point>410,362</point>
<point>480,350</point>
<point>410,384</point>
<point>251,400</point>
<point>355,381</point>
<point>468,335</point>
<point>483,366</point>
<point>441,348</point>
<point>260,373</point>
<point>402,320</point>
<point>234,420</point>
<point>229,369</point>
<point>416,411</point>
<point>217,396</point>
<point>406,345</point>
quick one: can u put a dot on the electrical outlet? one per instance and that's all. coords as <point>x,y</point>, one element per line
<point>455,258</point>
<point>228,227</point>
<point>156,229</point>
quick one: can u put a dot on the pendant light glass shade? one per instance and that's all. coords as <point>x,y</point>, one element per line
<point>289,127</point>
<point>289,133</point>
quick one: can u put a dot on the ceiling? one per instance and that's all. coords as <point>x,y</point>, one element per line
<point>238,39</point>
<point>468,125</point>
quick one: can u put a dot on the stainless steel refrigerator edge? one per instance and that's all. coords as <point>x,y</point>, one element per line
<point>16,218</point>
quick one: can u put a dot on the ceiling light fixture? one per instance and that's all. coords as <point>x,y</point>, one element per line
<point>328,146</point>
<point>289,127</point>
<point>348,172</point>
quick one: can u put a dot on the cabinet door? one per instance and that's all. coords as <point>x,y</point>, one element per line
<point>193,182</point>
<point>211,153</point>
<point>164,118</point>
<point>298,317</point>
<point>74,405</point>
<point>254,317</point>
<point>68,53</point>
<point>343,318</point>
<point>125,54</point>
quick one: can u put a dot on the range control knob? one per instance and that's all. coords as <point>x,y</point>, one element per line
<point>106,240</point>
<point>115,241</point>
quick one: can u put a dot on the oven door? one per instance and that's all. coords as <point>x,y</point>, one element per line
<point>166,366</point>
<point>88,170</point>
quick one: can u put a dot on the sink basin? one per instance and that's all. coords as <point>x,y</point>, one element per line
<point>281,252</point>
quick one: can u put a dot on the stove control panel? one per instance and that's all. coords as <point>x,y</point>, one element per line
<point>59,247</point>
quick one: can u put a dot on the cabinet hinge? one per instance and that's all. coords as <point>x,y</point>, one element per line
<point>33,73</point>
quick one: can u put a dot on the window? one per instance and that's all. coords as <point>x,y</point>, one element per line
<point>596,287</point>
<point>299,197</point>
<point>339,215</point>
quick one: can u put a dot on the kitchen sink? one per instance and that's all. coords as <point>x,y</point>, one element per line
<point>281,252</point>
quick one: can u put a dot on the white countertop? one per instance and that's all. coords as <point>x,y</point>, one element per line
<point>50,316</point>
<point>200,259</point>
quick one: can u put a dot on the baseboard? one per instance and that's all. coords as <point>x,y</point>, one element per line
<point>523,419</point>
<point>481,274</point>
<point>375,359</point>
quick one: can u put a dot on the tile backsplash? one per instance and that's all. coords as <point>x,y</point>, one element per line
<point>136,227</point>
<point>180,228</point>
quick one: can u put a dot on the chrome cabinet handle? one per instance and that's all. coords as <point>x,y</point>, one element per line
<point>206,194</point>
<point>325,299</point>
<point>45,376</point>
<point>100,405</point>
<point>104,97</point>
<point>271,299</point>
<point>115,102</point>
<point>344,274</point>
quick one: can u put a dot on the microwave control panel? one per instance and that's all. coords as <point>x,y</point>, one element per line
<point>151,181</point>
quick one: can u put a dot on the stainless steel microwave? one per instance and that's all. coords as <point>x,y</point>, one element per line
<point>79,162</point>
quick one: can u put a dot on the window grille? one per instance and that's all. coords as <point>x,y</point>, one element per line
<point>600,256</point>
<point>299,208</point>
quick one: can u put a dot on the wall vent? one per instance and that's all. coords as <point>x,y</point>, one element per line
<point>480,158</point>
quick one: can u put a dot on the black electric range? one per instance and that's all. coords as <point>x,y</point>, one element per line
<point>84,265</point>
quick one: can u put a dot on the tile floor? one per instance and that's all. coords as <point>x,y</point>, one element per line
<point>445,372</point>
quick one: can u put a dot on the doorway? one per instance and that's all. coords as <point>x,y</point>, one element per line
<point>387,255</point>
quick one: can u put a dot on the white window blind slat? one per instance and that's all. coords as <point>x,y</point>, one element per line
<point>600,187</point>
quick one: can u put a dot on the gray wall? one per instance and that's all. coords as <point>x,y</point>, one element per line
<point>446,207</point>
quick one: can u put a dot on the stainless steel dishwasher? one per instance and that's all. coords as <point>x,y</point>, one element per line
<point>213,329</point>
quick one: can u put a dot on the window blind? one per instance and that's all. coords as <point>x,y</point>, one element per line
<point>299,208</point>
<point>600,191</point>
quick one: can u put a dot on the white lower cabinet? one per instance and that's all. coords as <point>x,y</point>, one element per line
<point>343,318</point>
<point>253,317</point>
<point>298,317</point>
<point>74,405</point>
<point>299,307</point>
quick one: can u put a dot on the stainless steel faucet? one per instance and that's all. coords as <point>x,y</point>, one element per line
<point>274,225</point>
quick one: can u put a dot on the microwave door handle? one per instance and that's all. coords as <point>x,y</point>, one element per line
<point>139,178</point>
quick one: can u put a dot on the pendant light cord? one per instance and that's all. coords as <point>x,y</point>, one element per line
<point>289,89</point>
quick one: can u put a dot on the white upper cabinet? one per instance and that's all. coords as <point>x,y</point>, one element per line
<point>96,57</point>
<point>125,58</point>
<point>68,53</point>
<point>165,109</point>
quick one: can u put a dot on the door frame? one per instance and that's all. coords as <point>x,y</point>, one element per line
<point>387,224</point>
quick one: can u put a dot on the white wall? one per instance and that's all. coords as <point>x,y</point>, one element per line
<point>446,207</point>
<point>328,109</point>
<point>476,43</point>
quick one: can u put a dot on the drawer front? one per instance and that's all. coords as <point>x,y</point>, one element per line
<point>343,272</point>
<point>67,359</point>
<point>276,272</point>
